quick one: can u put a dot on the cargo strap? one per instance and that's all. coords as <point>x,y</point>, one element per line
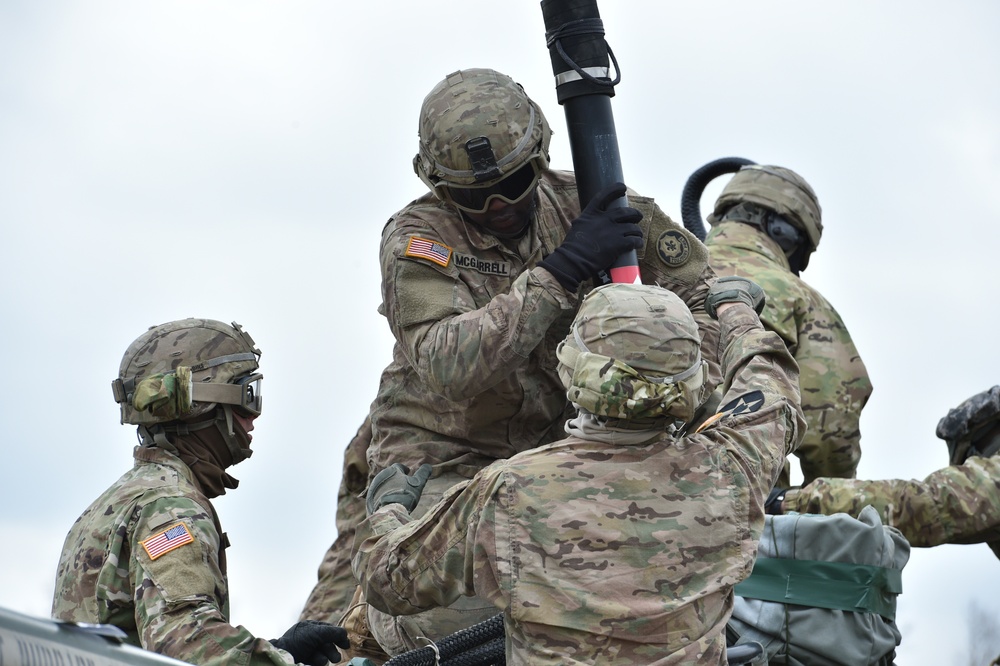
<point>860,588</point>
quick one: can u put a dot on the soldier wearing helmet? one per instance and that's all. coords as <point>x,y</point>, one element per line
<point>148,556</point>
<point>480,280</point>
<point>622,542</point>
<point>766,224</point>
<point>955,504</point>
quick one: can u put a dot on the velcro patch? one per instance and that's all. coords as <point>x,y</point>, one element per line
<point>169,539</point>
<point>422,248</point>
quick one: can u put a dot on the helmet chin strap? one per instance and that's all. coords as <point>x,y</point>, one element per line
<point>236,440</point>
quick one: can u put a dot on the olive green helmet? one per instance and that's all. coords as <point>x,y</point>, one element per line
<point>634,352</point>
<point>183,370</point>
<point>477,127</point>
<point>777,189</point>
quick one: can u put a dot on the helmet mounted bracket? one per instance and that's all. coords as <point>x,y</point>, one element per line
<point>484,161</point>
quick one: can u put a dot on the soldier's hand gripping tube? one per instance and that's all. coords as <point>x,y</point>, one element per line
<point>581,62</point>
<point>734,289</point>
<point>595,239</point>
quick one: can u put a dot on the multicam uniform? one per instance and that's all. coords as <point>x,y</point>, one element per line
<point>833,379</point>
<point>600,550</point>
<point>148,556</point>
<point>473,377</point>
<point>956,504</point>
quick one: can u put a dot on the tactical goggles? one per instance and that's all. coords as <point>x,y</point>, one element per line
<point>511,190</point>
<point>244,394</point>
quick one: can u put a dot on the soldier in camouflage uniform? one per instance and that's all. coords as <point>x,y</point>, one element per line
<point>148,555</point>
<point>480,279</point>
<point>957,504</point>
<point>621,543</point>
<point>766,223</point>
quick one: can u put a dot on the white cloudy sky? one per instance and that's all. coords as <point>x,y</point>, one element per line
<point>237,160</point>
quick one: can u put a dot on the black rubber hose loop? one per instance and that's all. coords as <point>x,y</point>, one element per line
<point>577,28</point>
<point>695,187</point>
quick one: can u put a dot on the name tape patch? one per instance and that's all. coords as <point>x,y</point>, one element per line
<point>169,539</point>
<point>501,268</point>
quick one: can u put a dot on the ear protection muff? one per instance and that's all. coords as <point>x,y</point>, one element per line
<point>783,232</point>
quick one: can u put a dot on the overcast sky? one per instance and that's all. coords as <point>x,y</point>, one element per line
<point>237,161</point>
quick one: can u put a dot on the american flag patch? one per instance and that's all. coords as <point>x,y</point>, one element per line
<point>167,540</point>
<point>428,249</point>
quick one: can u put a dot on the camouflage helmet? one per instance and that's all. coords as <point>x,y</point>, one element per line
<point>634,352</point>
<point>478,126</point>
<point>778,189</point>
<point>182,370</point>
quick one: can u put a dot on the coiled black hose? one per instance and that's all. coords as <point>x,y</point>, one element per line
<point>483,641</point>
<point>695,186</point>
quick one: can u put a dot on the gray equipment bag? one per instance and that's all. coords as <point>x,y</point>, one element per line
<point>823,591</point>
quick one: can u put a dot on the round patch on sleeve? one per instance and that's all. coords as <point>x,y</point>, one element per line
<point>673,248</point>
<point>745,404</point>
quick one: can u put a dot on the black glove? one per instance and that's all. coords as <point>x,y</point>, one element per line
<point>972,428</point>
<point>393,485</point>
<point>772,506</point>
<point>733,289</point>
<point>312,642</point>
<point>595,239</point>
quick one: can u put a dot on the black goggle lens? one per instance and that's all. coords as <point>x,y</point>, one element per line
<point>510,190</point>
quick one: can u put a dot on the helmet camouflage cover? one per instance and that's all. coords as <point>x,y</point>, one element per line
<point>778,189</point>
<point>633,353</point>
<point>158,372</point>
<point>478,113</point>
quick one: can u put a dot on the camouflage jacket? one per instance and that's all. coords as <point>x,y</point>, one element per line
<point>148,557</point>
<point>956,504</point>
<point>473,377</point>
<point>604,552</point>
<point>833,379</point>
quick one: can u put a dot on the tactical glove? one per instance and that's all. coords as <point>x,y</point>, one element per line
<point>394,485</point>
<point>973,428</point>
<point>595,239</point>
<point>312,642</point>
<point>733,289</point>
<point>772,506</point>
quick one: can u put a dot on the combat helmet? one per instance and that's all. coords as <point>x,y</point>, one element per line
<point>634,353</point>
<point>186,375</point>
<point>781,191</point>
<point>481,137</point>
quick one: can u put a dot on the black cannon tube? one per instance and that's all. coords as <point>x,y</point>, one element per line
<point>581,64</point>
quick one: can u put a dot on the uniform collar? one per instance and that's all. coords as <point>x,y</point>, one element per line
<point>747,237</point>
<point>155,455</point>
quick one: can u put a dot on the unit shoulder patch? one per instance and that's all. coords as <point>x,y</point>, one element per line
<point>746,403</point>
<point>169,539</point>
<point>423,248</point>
<point>673,248</point>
